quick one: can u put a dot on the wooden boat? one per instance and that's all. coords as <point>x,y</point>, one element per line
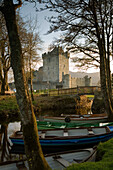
<point>60,160</point>
<point>85,115</point>
<point>64,159</point>
<point>53,140</point>
<point>54,125</point>
<point>78,119</point>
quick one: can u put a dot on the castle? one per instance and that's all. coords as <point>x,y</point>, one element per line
<point>55,72</point>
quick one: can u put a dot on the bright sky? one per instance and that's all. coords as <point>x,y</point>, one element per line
<point>28,11</point>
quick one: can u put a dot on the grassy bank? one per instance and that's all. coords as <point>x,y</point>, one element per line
<point>44,105</point>
<point>104,160</point>
<point>9,111</point>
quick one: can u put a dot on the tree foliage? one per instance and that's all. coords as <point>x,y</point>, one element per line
<point>87,27</point>
<point>79,25</point>
<point>33,45</point>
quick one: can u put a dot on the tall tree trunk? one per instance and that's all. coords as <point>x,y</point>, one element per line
<point>104,84</point>
<point>4,86</point>
<point>5,145</point>
<point>3,62</point>
<point>1,78</point>
<point>35,158</point>
<point>31,82</point>
<point>104,65</point>
<point>4,83</point>
<point>108,67</point>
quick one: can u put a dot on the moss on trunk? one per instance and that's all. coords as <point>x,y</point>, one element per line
<point>32,147</point>
<point>34,154</point>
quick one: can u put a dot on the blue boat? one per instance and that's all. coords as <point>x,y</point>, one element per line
<point>65,139</point>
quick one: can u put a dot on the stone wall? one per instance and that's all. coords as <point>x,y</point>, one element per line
<point>41,85</point>
<point>51,66</point>
<point>55,63</point>
<point>63,64</point>
<point>66,81</point>
<point>85,81</point>
<point>55,71</point>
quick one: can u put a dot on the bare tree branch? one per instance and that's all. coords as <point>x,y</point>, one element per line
<point>18,5</point>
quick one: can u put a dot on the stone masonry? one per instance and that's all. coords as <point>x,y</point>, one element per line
<point>55,71</point>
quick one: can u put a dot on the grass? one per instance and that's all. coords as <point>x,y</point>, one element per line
<point>9,111</point>
<point>104,159</point>
<point>42,105</point>
<point>8,103</point>
<point>89,96</point>
<point>51,105</point>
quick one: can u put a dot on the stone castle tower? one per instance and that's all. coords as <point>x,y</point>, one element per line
<point>55,72</point>
<point>55,65</point>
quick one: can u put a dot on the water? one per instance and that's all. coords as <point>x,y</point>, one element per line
<point>12,127</point>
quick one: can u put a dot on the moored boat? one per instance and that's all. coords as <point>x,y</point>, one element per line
<point>54,125</point>
<point>64,159</point>
<point>59,160</point>
<point>77,119</point>
<point>56,140</point>
<point>84,115</point>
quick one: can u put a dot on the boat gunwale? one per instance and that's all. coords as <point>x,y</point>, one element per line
<point>75,119</point>
<point>92,152</point>
<point>72,151</point>
<point>18,136</point>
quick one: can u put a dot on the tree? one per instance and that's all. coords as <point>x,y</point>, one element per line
<point>4,55</point>
<point>33,150</point>
<point>5,63</point>
<point>87,28</point>
<point>33,45</point>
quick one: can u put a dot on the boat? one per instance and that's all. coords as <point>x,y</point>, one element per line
<point>85,115</point>
<point>57,140</point>
<point>54,125</point>
<point>77,119</point>
<point>64,159</point>
<point>60,160</point>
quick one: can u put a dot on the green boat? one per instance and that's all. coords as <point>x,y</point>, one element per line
<point>54,125</point>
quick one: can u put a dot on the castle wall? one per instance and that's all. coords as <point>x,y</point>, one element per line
<point>55,63</point>
<point>55,71</point>
<point>63,64</point>
<point>85,81</point>
<point>73,82</point>
<point>66,81</point>
<point>39,85</point>
<point>51,66</point>
<point>38,75</point>
<point>88,81</point>
<point>77,82</point>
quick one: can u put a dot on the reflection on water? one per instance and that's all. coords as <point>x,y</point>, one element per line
<point>83,111</point>
<point>12,127</point>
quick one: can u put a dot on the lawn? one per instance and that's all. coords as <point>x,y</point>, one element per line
<point>104,159</point>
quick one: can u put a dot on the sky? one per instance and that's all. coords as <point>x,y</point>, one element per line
<point>43,26</point>
<point>28,10</point>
